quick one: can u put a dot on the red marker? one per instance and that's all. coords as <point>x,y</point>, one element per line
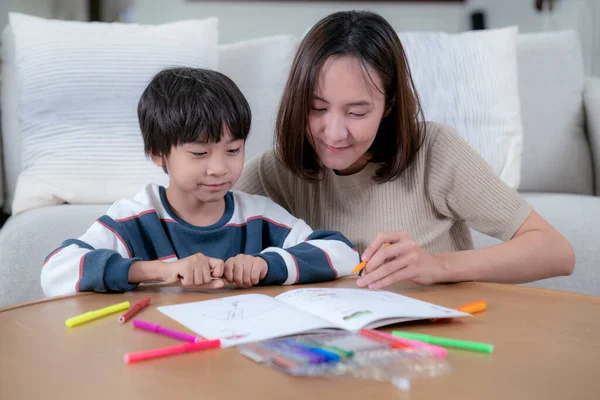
<point>385,338</point>
<point>134,310</point>
<point>168,351</point>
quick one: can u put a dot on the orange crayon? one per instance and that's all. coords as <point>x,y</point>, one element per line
<point>362,265</point>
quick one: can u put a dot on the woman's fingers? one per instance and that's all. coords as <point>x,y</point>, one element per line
<point>386,269</point>
<point>405,274</point>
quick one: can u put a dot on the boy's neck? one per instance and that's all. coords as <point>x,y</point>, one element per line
<point>193,211</point>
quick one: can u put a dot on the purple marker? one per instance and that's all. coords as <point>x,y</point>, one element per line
<point>148,326</point>
<point>297,352</point>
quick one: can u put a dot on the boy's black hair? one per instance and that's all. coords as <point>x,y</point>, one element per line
<point>184,105</point>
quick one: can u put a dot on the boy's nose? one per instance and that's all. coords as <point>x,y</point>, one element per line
<point>216,168</point>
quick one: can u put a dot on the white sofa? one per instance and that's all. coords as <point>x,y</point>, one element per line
<point>560,172</point>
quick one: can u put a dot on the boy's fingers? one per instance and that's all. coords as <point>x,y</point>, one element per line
<point>215,284</point>
<point>217,266</point>
<point>238,273</point>
<point>255,274</point>
<point>247,271</point>
<point>187,276</point>
<point>205,271</point>
<point>228,270</point>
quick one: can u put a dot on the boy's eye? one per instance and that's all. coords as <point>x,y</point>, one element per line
<point>198,154</point>
<point>234,151</point>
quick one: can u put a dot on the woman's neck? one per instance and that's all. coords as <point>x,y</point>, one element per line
<point>358,166</point>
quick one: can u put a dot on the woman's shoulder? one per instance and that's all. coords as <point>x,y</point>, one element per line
<point>267,163</point>
<point>442,141</point>
<point>434,131</point>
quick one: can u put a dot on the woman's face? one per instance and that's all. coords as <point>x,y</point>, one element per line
<point>345,114</point>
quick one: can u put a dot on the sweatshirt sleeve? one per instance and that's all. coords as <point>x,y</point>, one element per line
<point>297,254</point>
<point>97,261</point>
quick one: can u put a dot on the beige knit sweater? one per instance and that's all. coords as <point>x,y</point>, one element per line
<point>446,190</point>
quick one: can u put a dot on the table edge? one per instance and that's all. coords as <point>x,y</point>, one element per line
<point>502,286</point>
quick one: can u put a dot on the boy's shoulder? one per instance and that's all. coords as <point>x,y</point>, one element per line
<point>249,206</point>
<point>147,200</point>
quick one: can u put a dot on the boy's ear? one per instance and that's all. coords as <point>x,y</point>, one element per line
<point>158,161</point>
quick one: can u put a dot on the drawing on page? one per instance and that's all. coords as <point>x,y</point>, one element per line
<point>230,334</point>
<point>235,312</point>
<point>240,310</point>
<point>357,314</point>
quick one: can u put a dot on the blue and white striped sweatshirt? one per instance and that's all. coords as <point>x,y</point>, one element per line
<point>145,228</point>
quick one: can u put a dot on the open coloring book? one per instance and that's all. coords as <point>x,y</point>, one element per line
<point>252,317</point>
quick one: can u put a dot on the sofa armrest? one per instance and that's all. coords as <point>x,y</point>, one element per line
<point>591,101</point>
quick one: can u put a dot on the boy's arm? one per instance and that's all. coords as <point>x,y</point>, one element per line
<point>98,261</point>
<point>305,256</point>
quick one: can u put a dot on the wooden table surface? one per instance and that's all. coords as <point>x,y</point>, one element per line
<point>547,346</point>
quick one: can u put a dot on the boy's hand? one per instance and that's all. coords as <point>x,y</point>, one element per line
<point>195,270</point>
<point>245,271</point>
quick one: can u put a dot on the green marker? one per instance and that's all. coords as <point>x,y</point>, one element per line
<point>445,342</point>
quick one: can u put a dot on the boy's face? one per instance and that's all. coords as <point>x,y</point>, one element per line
<point>204,172</point>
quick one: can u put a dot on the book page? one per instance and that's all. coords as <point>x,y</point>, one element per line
<point>354,309</point>
<point>243,319</point>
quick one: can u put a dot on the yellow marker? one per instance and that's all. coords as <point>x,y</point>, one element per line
<point>91,315</point>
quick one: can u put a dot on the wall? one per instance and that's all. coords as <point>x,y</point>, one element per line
<point>247,19</point>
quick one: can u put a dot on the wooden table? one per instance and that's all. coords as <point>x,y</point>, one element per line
<point>547,347</point>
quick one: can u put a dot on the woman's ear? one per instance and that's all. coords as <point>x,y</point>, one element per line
<point>389,109</point>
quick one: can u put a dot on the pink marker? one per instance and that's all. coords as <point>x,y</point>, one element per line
<point>437,351</point>
<point>148,326</point>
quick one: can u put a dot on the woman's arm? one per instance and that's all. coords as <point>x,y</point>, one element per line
<point>463,188</point>
<point>536,251</point>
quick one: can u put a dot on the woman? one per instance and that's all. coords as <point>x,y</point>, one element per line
<point>353,154</point>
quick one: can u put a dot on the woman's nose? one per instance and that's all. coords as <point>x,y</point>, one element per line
<point>335,129</point>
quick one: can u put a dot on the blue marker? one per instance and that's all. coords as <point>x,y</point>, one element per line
<point>305,355</point>
<point>328,356</point>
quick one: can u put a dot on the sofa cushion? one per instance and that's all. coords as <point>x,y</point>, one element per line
<point>576,217</point>
<point>470,81</point>
<point>11,140</point>
<point>260,68</point>
<point>79,85</point>
<point>25,241</point>
<point>556,155</point>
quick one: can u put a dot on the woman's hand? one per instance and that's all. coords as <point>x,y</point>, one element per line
<point>402,260</point>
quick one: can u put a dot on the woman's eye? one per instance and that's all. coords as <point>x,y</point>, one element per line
<point>319,109</point>
<point>358,115</point>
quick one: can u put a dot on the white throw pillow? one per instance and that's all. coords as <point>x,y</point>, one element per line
<point>470,81</point>
<point>79,84</point>
<point>260,68</point>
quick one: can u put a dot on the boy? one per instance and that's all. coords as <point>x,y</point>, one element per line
<point>194,124</point>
